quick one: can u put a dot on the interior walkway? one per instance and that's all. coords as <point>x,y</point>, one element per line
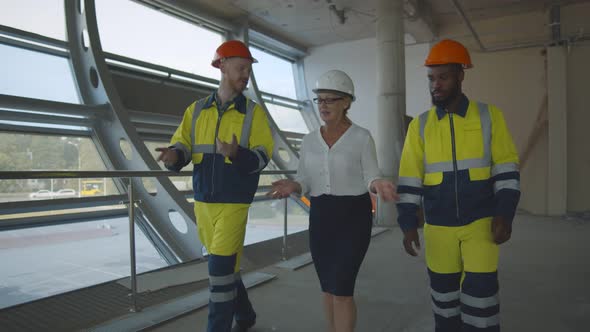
<point>544,274</point>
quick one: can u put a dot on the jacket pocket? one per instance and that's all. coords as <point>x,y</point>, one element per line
<point>433,179</point>
<point>478,174</point>
<point>472,141</point>
<point>197,158</point>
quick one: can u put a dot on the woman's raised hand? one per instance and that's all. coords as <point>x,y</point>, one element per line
<point>385,189</point>
<point>283,188</point>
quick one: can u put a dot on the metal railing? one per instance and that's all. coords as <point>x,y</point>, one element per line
<point>26,175</point>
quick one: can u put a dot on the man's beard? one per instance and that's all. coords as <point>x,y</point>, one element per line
<point>444,103</point>
<point>239,86</point>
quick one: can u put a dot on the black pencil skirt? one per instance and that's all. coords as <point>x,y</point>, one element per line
<point>339,236</point>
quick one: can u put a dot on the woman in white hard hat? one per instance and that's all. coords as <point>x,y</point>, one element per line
<point>337,169</point>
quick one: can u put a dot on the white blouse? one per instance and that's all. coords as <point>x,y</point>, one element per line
<point>348,168</point>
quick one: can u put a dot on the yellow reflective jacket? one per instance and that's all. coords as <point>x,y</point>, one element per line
<point>462,167</point>
<point>217,179</point>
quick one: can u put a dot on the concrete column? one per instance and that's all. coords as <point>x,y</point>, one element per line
<point>391,96</point>
<point>557,153</point>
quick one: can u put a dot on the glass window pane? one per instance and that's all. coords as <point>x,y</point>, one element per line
<point>136,31</point>
<point>267,179</point>
<point>65,257</point>
<point>42,125</point>
<point>36,75</point>
<point>24,216</point>
<point>273,74</point>
<point>266,220</point>
<point>31,152</point>
<point>288,119</point>
<point>43,17</point>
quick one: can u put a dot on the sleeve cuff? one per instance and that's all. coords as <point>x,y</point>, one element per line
<point>408,216</point>
<point>506,203</point>
<point>245,161</point>
<point>180,163</point>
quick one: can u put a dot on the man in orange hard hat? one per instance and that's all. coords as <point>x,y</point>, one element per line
<point>227,138</point>
<point>460,163</point>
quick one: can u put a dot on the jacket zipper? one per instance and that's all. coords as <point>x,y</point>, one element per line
<point>454,162</point>
<point>219,114</point>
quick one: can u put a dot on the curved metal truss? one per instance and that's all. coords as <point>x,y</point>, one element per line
<point>114,130</point>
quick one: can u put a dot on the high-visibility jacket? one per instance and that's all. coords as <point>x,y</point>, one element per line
<point>217,179</point>
<point>460,166</point>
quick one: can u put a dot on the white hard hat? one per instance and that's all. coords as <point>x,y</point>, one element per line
<point>335,80</point>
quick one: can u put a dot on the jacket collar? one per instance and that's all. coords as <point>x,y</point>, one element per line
<point>462,111</point>
<point>239,102</point>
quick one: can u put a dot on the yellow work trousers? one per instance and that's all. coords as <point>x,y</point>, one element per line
<point>222,227</point>
<point>462,248</point>
<point>462,266</point>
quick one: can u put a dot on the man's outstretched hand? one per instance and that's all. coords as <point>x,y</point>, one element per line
<point>228,150</point>
<point>168,156</point>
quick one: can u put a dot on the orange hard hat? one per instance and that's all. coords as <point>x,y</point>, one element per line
<point>448,51</point>
<point>229,49</point>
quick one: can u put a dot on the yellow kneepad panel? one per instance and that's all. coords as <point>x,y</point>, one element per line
<point>228,239</point>
<point>480,252</point>
<point>222,226</point>
<point>443,251</point>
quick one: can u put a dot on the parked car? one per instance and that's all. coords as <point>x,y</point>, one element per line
<point>41,194</point>
<point>47,194</point>
<point>65,193</point>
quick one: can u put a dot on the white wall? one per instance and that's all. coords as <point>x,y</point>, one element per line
<point>513,80</point>
<point>358,60</point>
<point>578,118</point>
<point>417,95</point>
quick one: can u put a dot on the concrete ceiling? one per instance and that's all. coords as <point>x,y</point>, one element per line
<point>308,23</point>
<point>476,10</point>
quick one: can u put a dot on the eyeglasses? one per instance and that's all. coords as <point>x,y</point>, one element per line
<point>327,101</point>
